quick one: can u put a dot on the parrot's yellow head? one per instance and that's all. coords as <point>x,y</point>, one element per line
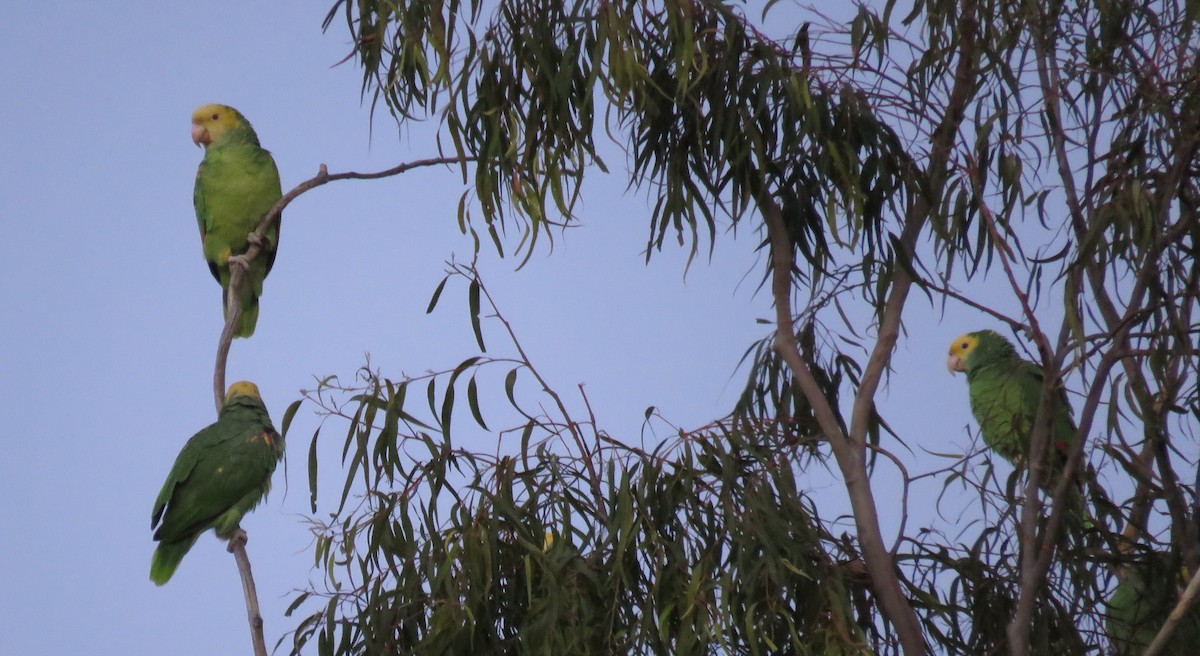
<point>211,122</point>
<point>960,349</point>
<point>242,388</point>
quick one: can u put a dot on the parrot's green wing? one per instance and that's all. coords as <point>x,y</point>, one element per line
<point>1140,604</point>
<point>221,474</point>
<point>236,185</point>
<point>1005,398</point>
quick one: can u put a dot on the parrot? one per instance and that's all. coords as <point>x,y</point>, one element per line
<point>1139,605</point>
<point>1005,391</point>
<point>221,473</point>
<point>236,184</point>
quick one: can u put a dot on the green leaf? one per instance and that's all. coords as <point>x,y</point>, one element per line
<point>288,415</point>
<point>312,469</point>
<point>473,296</point>
<point>510,384</point>
<point>447,411</point>
<point>437,293</point>
<point>473,401</point>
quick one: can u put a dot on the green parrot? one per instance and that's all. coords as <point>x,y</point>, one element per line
<point>1005,391</point>
<point>1140,604</point>
<point>221,474</point>
<point>236,184</point>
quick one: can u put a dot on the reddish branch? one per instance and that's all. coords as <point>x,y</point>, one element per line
<point>239,263</point>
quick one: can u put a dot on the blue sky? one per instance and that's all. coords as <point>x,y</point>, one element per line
<point>111,317</point>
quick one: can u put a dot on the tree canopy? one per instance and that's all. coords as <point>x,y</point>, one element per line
<point>1048,150</point>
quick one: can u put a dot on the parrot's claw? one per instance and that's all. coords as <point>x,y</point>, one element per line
<point>239,261</point>
<point>238,536</point>
<point>253,239</point>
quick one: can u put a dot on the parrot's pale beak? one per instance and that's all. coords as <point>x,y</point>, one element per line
<point>199,135</point>
<point>954,364</point>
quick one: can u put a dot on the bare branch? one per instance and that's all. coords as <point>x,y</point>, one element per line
<point>917,215</point>
<point>851,457</point>
<point>1172,182</point>
<point>907,483</point>
<point>232,307</point>
<point>969,302</point>
<point>237,546</point>
<point>1035,559</point>
<point>233,313</point>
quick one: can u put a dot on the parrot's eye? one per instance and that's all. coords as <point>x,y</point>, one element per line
<point>964,346</point>
<point>216,116</point>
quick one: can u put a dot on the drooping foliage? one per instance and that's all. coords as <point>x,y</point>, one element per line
<point>706,542</point>
<point>1033,162</point>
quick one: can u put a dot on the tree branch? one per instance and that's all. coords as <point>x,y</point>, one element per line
<point>233,308</point>
<point>907,483</point>
<point>1035,558</point>
<point>915,219</point>
<point>238,265</point>
<point>1172,186</point>
<point>237,547</point>
<point>233,312</point>
<point>849,455</point>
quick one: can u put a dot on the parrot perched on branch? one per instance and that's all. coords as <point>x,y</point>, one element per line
<point>1005,392</point>
<point>1148,591</point>
<point>221,474</point>
<point>236,184</point>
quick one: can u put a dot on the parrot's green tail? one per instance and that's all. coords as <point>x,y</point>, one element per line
<point>248,319</point>
<point>166,559</point>
<point>1078,524</point>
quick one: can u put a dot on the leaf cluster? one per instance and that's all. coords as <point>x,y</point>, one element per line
<point>707,546</point>
<point>715,115</point>
<point>1048,148</point>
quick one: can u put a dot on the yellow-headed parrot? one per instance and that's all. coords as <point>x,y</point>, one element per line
<point>1005,391</point>
<point>221,474</point>
<point>236,184</point>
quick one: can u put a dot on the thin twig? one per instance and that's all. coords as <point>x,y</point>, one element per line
<point>233,307</point>
<point>237,547</point>
<point>961,298</point>
<point>900,531</point>
<point>586,455</point>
